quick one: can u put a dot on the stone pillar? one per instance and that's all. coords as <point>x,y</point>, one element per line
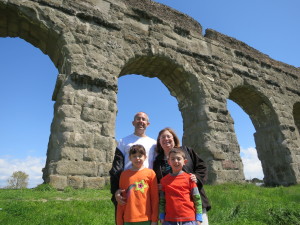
<point>81,144</point>
<point>280,165</point>
<point>210,132</point>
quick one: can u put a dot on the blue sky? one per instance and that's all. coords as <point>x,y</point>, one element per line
<point>28,78</point>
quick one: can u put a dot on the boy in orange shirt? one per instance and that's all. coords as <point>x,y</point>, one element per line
<point>180,200</point>
<point>141,187</point>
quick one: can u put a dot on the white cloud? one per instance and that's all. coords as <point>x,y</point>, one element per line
<point>252,165</point>
<point>30,165</point>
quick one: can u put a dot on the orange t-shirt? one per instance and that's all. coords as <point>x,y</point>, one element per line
<point>142,196</point>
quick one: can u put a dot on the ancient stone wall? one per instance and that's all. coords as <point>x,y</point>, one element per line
<point>93,42</point>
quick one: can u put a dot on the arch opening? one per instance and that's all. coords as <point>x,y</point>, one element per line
<point>268,136</point>
<point>244,131</point>
<point>149,95</point>
<point>179,83</point>
<point>29,77</point>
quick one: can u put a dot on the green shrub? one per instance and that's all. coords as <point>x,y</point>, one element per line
<point>44,187</point>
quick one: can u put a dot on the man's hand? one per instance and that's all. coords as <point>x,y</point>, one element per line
<point>120,199</point>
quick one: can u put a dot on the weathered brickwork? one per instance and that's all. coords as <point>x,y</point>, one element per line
<point>93,42</point>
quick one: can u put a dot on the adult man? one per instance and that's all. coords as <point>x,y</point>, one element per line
<point>121,159</point>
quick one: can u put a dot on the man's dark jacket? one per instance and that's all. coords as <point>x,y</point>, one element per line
<point>115,173</point>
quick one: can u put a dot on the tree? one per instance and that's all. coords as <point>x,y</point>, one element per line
<point>18,180</point>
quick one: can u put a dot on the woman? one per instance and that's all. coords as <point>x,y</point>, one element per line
<point>166,140</point>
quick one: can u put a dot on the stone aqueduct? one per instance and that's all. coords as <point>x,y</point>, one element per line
<point>93,42</point>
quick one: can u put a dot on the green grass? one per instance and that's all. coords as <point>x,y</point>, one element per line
<point>30,206</point>
<point>232,204</point>
<point>250,204</point>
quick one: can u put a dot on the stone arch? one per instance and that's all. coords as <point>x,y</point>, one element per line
<point>48,31</point>
<point>24,21</point>
<point>202,129</point>
<point>20,20</point>
<point>256,105</point>
<point>94,42</point>
<point>268,136</point>
<point>180,83</point>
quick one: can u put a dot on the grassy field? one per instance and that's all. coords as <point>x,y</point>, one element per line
<point>232,204</point>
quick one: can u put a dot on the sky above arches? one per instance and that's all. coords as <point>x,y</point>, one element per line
<point>28,78</point>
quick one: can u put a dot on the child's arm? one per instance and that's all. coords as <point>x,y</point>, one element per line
<point>120,207</point>
<point>162,205</point>
<point>154,199</point>
<point>197,203</point>
<point>120,214</point>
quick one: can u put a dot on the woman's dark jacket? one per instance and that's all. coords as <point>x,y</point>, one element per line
<point>194,165</point>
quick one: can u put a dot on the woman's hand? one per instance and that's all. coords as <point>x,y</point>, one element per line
<point>193,178</point>
<point>120,199</point>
